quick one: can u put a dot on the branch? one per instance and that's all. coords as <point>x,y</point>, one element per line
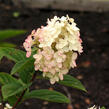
<point>70,106</point>
<point>20,98</point>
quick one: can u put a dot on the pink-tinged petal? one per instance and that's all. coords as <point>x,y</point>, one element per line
<point>52,81</point>
<point>78,33</point>
<point>64,71</point>
<point>25,45</point>
<point>49,66</point>
<point>28,54</point>
<point>74,63</point>
<point>80,40</point>
<point>74,56</point>
<point>45,69</point>
<point>81,50</point>
<point>33,31</point>
<point>53,71</point>
<point>61,76</point>
<point>64,56</point>
<point>41,39</point>
<point>36,67</point>
<point>48,57</point>
<point>60,54</point>
<point>60,65</point>
<point>28,39</point>
<point>52,63</point>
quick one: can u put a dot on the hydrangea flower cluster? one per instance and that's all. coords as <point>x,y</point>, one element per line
<point>58,45</point>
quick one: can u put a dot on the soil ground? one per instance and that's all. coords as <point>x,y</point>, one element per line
<point>93,64</point>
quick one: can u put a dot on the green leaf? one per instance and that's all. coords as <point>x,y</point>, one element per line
<point>72,82</point>
<point>11,89</point>
<point>5,78</point>
<point>11,86</point>
<point>5,44</point>
<point>13,54</point>
<point>23,65</point>
<point>26,73</point>
<point>103,107</point>
<point>24,68</point>
<point>48,95</point>
<point>5,34</point>
<point>12,100</point>
<point>68,81</point>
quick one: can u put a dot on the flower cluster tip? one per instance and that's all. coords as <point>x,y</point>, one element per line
<point>58,44</point>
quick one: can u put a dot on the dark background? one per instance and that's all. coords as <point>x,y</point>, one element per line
<point>92,66</point>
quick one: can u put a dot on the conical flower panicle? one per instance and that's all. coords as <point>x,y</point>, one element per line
<point>58,44</point>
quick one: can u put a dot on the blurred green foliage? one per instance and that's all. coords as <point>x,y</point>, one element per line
<point>9,33</point>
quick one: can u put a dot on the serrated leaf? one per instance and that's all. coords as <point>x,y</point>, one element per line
<point>24,68</point>
<point>72,82</point>
<point>17,67</point>
<point>6,44</point>
<point>44,94</point>
<point>12,100</point>
<point>11,86</point>
<point>5,34</point>
<point>68,81</point>
<point>13,89</point>
<point>13,54</point>
<point>5,78</point>
<point>26,71</point>
<point>23,65</point>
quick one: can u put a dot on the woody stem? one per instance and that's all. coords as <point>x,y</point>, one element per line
<point>20,98</point>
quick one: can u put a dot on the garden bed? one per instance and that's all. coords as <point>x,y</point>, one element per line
<point>93,64</point>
